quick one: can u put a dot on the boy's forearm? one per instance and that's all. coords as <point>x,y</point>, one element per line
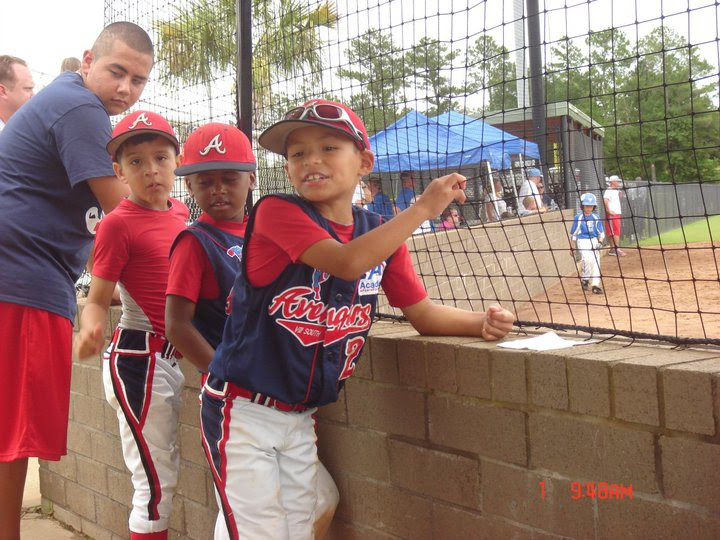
<point>191,344</point>
<point>351,260</point>
<point>94,313</point>
<point>431,319</point>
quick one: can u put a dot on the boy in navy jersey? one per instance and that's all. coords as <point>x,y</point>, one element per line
<point>301,309</point>
<point>142,379</point>
<point>219,169</point>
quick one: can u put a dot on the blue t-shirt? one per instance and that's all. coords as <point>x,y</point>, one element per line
<point>49,148</point>
<point>381,204</point>
<point>405,198</point>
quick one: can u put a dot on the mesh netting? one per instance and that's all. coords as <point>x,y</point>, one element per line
<point>580,90</point>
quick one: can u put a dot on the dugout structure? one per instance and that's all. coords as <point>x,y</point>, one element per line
<point>574,147</point>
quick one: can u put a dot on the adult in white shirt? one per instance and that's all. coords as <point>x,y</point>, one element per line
<point>613,211</point>
<point>530,189</point>
<point>16,86</point>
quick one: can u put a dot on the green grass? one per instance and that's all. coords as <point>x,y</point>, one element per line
<point>703,230</point>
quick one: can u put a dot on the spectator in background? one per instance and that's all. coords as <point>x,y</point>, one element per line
<point>70,64</point>
<point>381,203</point>
<point>547,200</point>
<point>451,218</point>
<point>530,189</point>
<point>495,205</point>
<point>407,193</point>
<point>613,211</point>
<point>16,86</point>
<point>530,205</point>
<point>361,196</point>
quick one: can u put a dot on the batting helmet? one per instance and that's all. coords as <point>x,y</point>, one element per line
<point>588,199</point>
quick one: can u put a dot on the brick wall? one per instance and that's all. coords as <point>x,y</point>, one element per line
<point>452,438</point>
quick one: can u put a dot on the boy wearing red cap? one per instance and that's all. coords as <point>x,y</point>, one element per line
<point>219,169</point>
<point>300,312</point>
<point>140,371</point>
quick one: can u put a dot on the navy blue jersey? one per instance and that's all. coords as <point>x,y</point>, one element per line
<point>298,338</point>
<point>224,251</point>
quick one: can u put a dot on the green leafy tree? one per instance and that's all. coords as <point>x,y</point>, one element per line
<point>566,77</point>
<point>380,69</point>
<point>655,102</point>
<point>492,73</point>
<point>429,60</point>
<point>672,105</point>
<point>198,44</point>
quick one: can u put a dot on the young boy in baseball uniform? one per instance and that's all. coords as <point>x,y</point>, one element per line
<point>141,374</point>
<point>300,312</point>
<point>219,169</point>
<point>587,234</point>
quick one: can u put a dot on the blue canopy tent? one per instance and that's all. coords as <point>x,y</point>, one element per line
<point>449,141</point>
<point>490,136</point>
<point>416,142</point>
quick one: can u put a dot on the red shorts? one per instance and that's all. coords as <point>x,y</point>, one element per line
<point>36,364</point>
<point>612,225</point>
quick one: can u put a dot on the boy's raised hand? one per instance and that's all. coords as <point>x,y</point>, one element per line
<point>441,192</point>
<point>498,322</point>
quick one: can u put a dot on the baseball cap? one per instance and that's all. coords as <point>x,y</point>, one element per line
<point>534,172</point>
<point>216,147</point>
<point>140,123</point>
<point>316,112</point>
<point>614,178</point>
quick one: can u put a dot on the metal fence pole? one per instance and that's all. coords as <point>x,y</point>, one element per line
<point>536,79</point>
<point>243,83</point>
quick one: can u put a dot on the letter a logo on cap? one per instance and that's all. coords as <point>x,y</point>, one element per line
<point>141,118</point>
<point>215,143</point>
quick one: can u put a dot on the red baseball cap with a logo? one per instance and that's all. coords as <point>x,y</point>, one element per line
<point>216,147</point>
<point>316,112</point>
<point>139,123</point>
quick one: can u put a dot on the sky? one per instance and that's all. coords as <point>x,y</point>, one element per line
<point>43,32</point>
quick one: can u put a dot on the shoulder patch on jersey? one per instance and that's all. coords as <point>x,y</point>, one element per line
<point>370,282</point>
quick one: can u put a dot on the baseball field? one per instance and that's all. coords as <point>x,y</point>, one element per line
<point>673,290</point>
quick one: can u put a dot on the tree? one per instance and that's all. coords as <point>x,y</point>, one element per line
<point>429,59</point>
<point>380,69</point>
<point>566,77</point>
<point>199,43</point>
<point>491,72</point>
<point>653,101</point>
<point>674,108</point>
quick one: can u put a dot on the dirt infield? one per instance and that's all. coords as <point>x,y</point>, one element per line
<point>673,291</point>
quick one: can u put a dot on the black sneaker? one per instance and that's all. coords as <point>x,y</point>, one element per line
<point>585,284</point>
<point>612,252</point>
<point>596,290</point>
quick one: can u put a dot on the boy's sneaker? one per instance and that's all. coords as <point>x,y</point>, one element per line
<point>585,284</point>
<point>596,290</point>
<point>620,253</point>
<point>612,252</point>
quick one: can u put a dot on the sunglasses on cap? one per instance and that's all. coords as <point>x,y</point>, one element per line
<point>326,112</point>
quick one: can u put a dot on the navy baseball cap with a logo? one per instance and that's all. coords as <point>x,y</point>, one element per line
<point>140,123</point>
<point>216,147</point>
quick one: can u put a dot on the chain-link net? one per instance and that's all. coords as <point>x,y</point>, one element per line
<point>580,90</point>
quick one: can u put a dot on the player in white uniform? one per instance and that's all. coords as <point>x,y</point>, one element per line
<point>587,234</point>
